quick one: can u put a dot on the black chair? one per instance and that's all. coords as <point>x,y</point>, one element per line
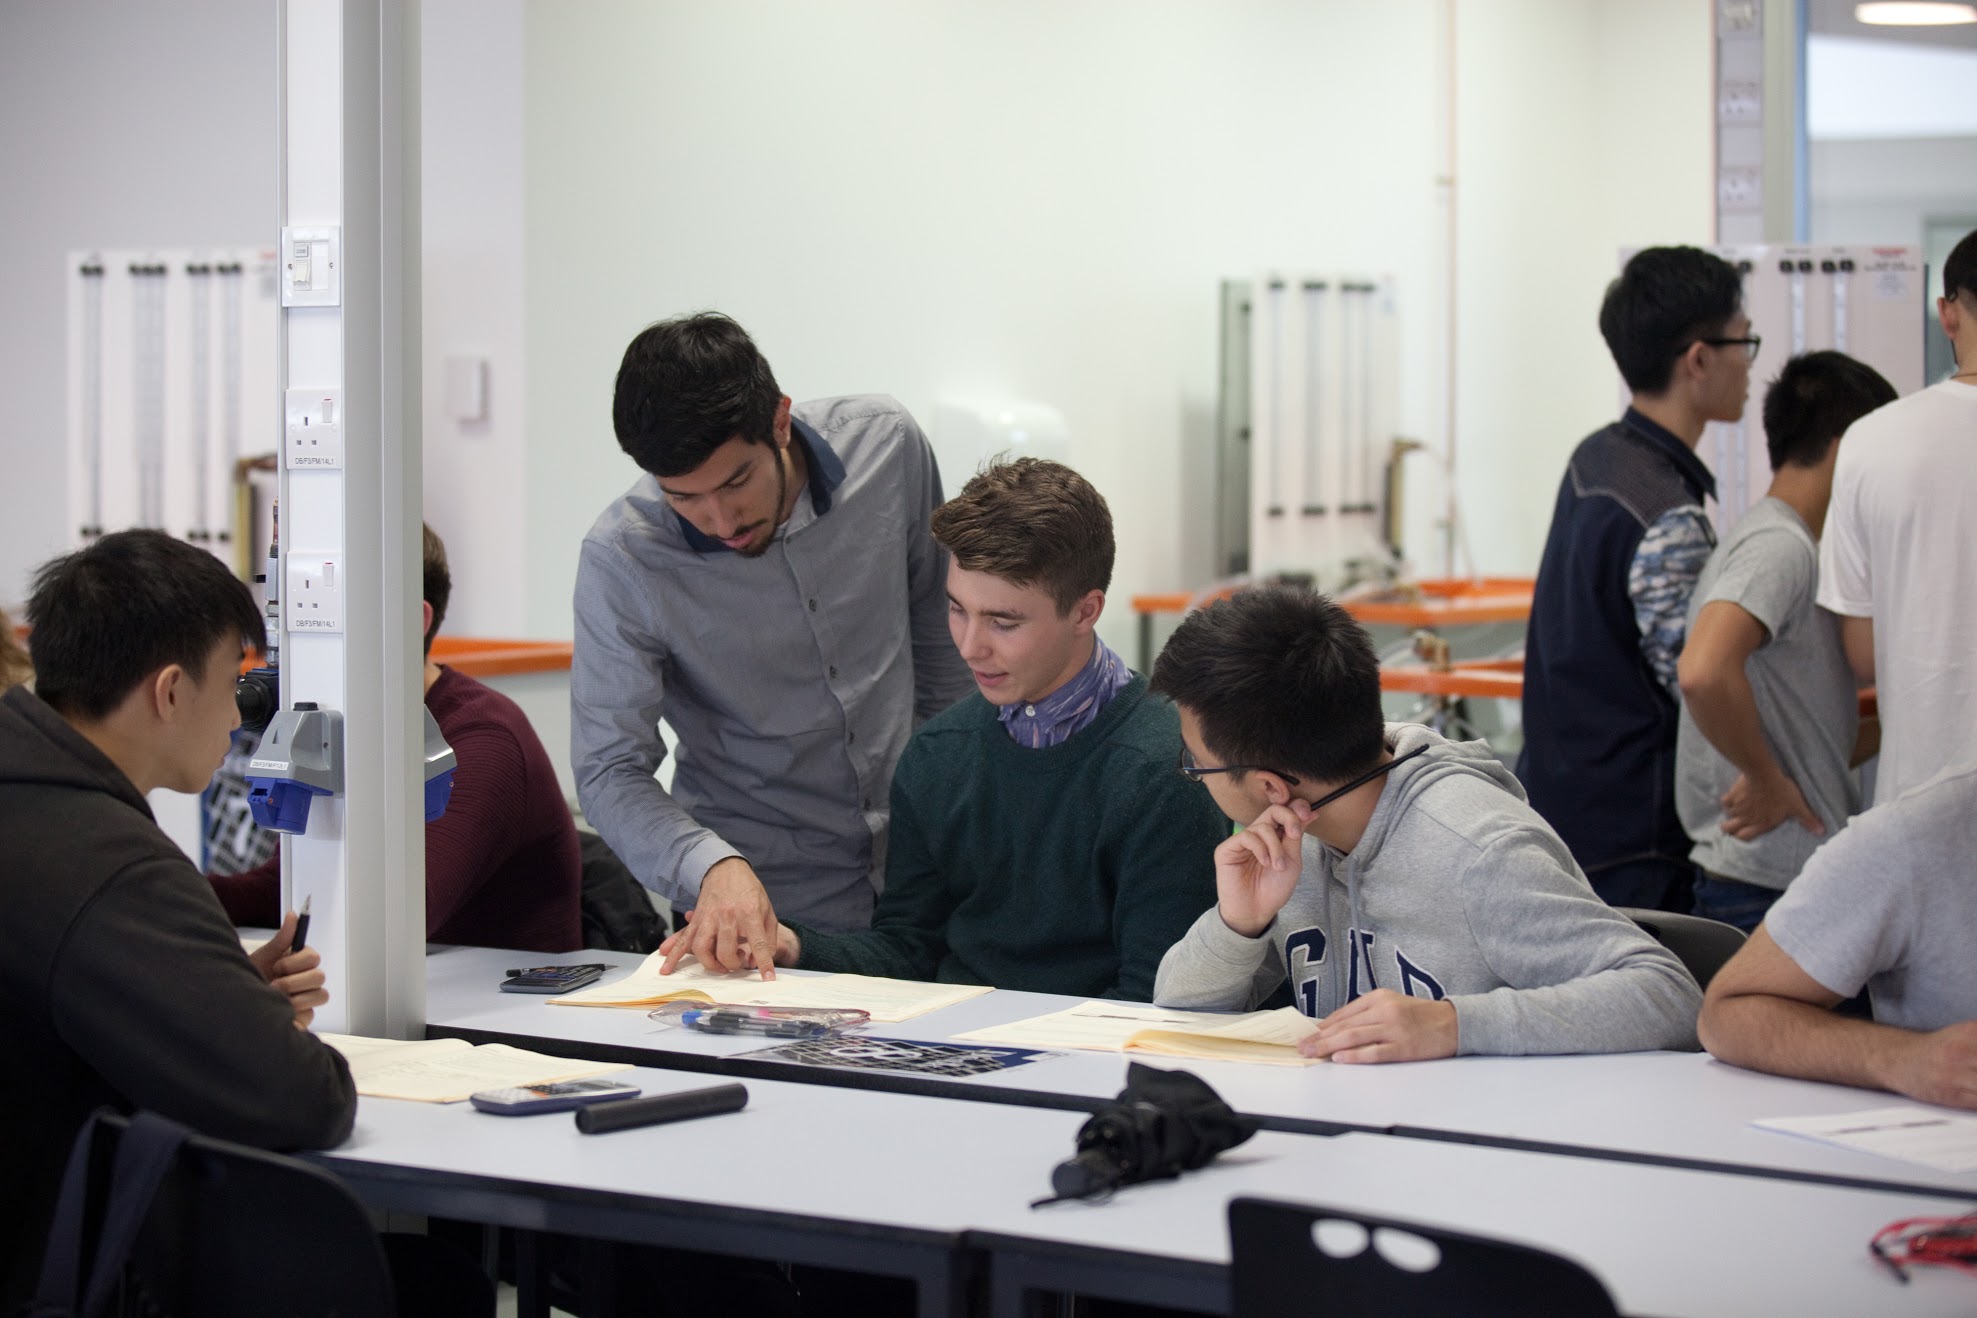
<point>1279,1268</point>
<point>155,1220</point>
<point>1700,944</point>
<point>617,912</point>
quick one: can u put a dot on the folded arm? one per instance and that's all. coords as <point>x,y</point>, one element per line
<point>1764,1012</point>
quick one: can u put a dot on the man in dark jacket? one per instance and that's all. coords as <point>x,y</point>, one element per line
<point>1628,539</point>
<point>122,983</point>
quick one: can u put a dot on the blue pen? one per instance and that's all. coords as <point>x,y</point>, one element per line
<point>716,1021</point>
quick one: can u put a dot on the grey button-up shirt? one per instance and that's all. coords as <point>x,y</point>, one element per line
<point>793,679</point>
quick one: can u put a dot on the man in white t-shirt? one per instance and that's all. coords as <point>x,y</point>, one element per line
<point>1899,559</point>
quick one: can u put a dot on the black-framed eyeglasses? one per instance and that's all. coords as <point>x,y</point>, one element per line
<point>1751,342</point>
<point>1195,771</point>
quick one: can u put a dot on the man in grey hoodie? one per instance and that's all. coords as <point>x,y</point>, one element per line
<point>1418,905</point>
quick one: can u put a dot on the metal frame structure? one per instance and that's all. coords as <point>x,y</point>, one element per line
<point>349,162</point>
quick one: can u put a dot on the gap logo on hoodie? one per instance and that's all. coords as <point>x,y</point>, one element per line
<point>1304,952</point>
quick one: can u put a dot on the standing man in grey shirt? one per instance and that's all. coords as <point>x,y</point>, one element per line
<point>1770,727</point>
<point>769,587</point>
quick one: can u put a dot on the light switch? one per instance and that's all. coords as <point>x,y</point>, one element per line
<point>466,388</point>
<point>311,267</point>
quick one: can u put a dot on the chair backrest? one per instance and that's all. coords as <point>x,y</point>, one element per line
<point>1702,945</point>
<point>233,1232</point>
<point>1280,1267</point>
<point>617,912</point>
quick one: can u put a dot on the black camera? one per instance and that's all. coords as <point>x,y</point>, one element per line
<point>257,694</point>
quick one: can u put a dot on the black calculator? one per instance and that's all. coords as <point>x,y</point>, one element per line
<point>552,979</point>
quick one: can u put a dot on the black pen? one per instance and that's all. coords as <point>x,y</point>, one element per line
<point>301,939</point>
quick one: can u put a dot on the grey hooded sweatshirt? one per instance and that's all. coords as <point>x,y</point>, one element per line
<point>1458,890</point>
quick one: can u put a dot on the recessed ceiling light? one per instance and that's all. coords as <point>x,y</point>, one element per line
<point>1914,13</point>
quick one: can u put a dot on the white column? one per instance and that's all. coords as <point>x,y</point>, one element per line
<point>348,144</point>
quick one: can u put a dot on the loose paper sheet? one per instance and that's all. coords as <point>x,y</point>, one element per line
<point>1269,1037</point>
<point>889,1000</point>
<point>1946,1141</point>
<point>449,1070</point>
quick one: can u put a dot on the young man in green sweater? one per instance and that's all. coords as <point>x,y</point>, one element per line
<point>1041,837</point>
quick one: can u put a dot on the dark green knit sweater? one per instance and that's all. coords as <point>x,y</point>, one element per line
<point>1063,869</point>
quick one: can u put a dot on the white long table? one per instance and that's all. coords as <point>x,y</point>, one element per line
<point>926,1188</point>
<point>1681,1109</point>
<point>802,1174</point>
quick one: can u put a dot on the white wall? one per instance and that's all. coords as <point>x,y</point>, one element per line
<point>935,198</point>
<point>471,98</point>
<point>1886,190</point>
<point>121,125</point>
<point>1029,200</point>
<point>1584,128</point>
<point>928,197</point>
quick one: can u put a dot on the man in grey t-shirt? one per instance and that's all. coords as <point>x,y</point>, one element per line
<point>1887,905</point>
<point>1770,728</point>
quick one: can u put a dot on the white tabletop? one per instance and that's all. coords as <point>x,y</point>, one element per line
<point>1664,1241</point>
<point>835,1155</point>
<point>1663,1106</point>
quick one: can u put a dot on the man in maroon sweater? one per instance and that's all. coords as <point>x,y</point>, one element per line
<point>502,864</point>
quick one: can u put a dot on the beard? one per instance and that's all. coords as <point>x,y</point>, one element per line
<point>761,547</point>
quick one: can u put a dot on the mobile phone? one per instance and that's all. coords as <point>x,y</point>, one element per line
<point>527,1100</point>
<point>552,979</point>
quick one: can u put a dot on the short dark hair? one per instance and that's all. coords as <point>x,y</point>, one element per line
<point>437,588</point>
<point>107,617</point>
<point>686,387</point>
<point>1813,401</point>
<point>1664,300</point>
<point>1960,269</point>
<point>1032,522</point>
<point>1279,677</point>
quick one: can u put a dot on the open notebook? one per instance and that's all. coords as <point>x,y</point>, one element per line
<point>885,999</point>
<point>1269,1037</point>
<point>449,1070</point>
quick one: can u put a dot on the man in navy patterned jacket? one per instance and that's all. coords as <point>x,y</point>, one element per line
<point>1628,539</point>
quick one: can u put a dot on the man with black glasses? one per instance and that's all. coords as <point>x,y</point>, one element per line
<point>1417,905</point>
<point>1628,539</point>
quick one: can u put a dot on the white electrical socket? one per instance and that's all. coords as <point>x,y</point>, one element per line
<point>314,602</point>
<point>311,261</point>
<point>1740,189</point>
<point>314,429</point>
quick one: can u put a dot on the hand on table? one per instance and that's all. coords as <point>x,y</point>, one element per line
<point>1939,1067</point>
<point>297,974</point>
<point>732,926</point>
<point>1385,1026</point>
